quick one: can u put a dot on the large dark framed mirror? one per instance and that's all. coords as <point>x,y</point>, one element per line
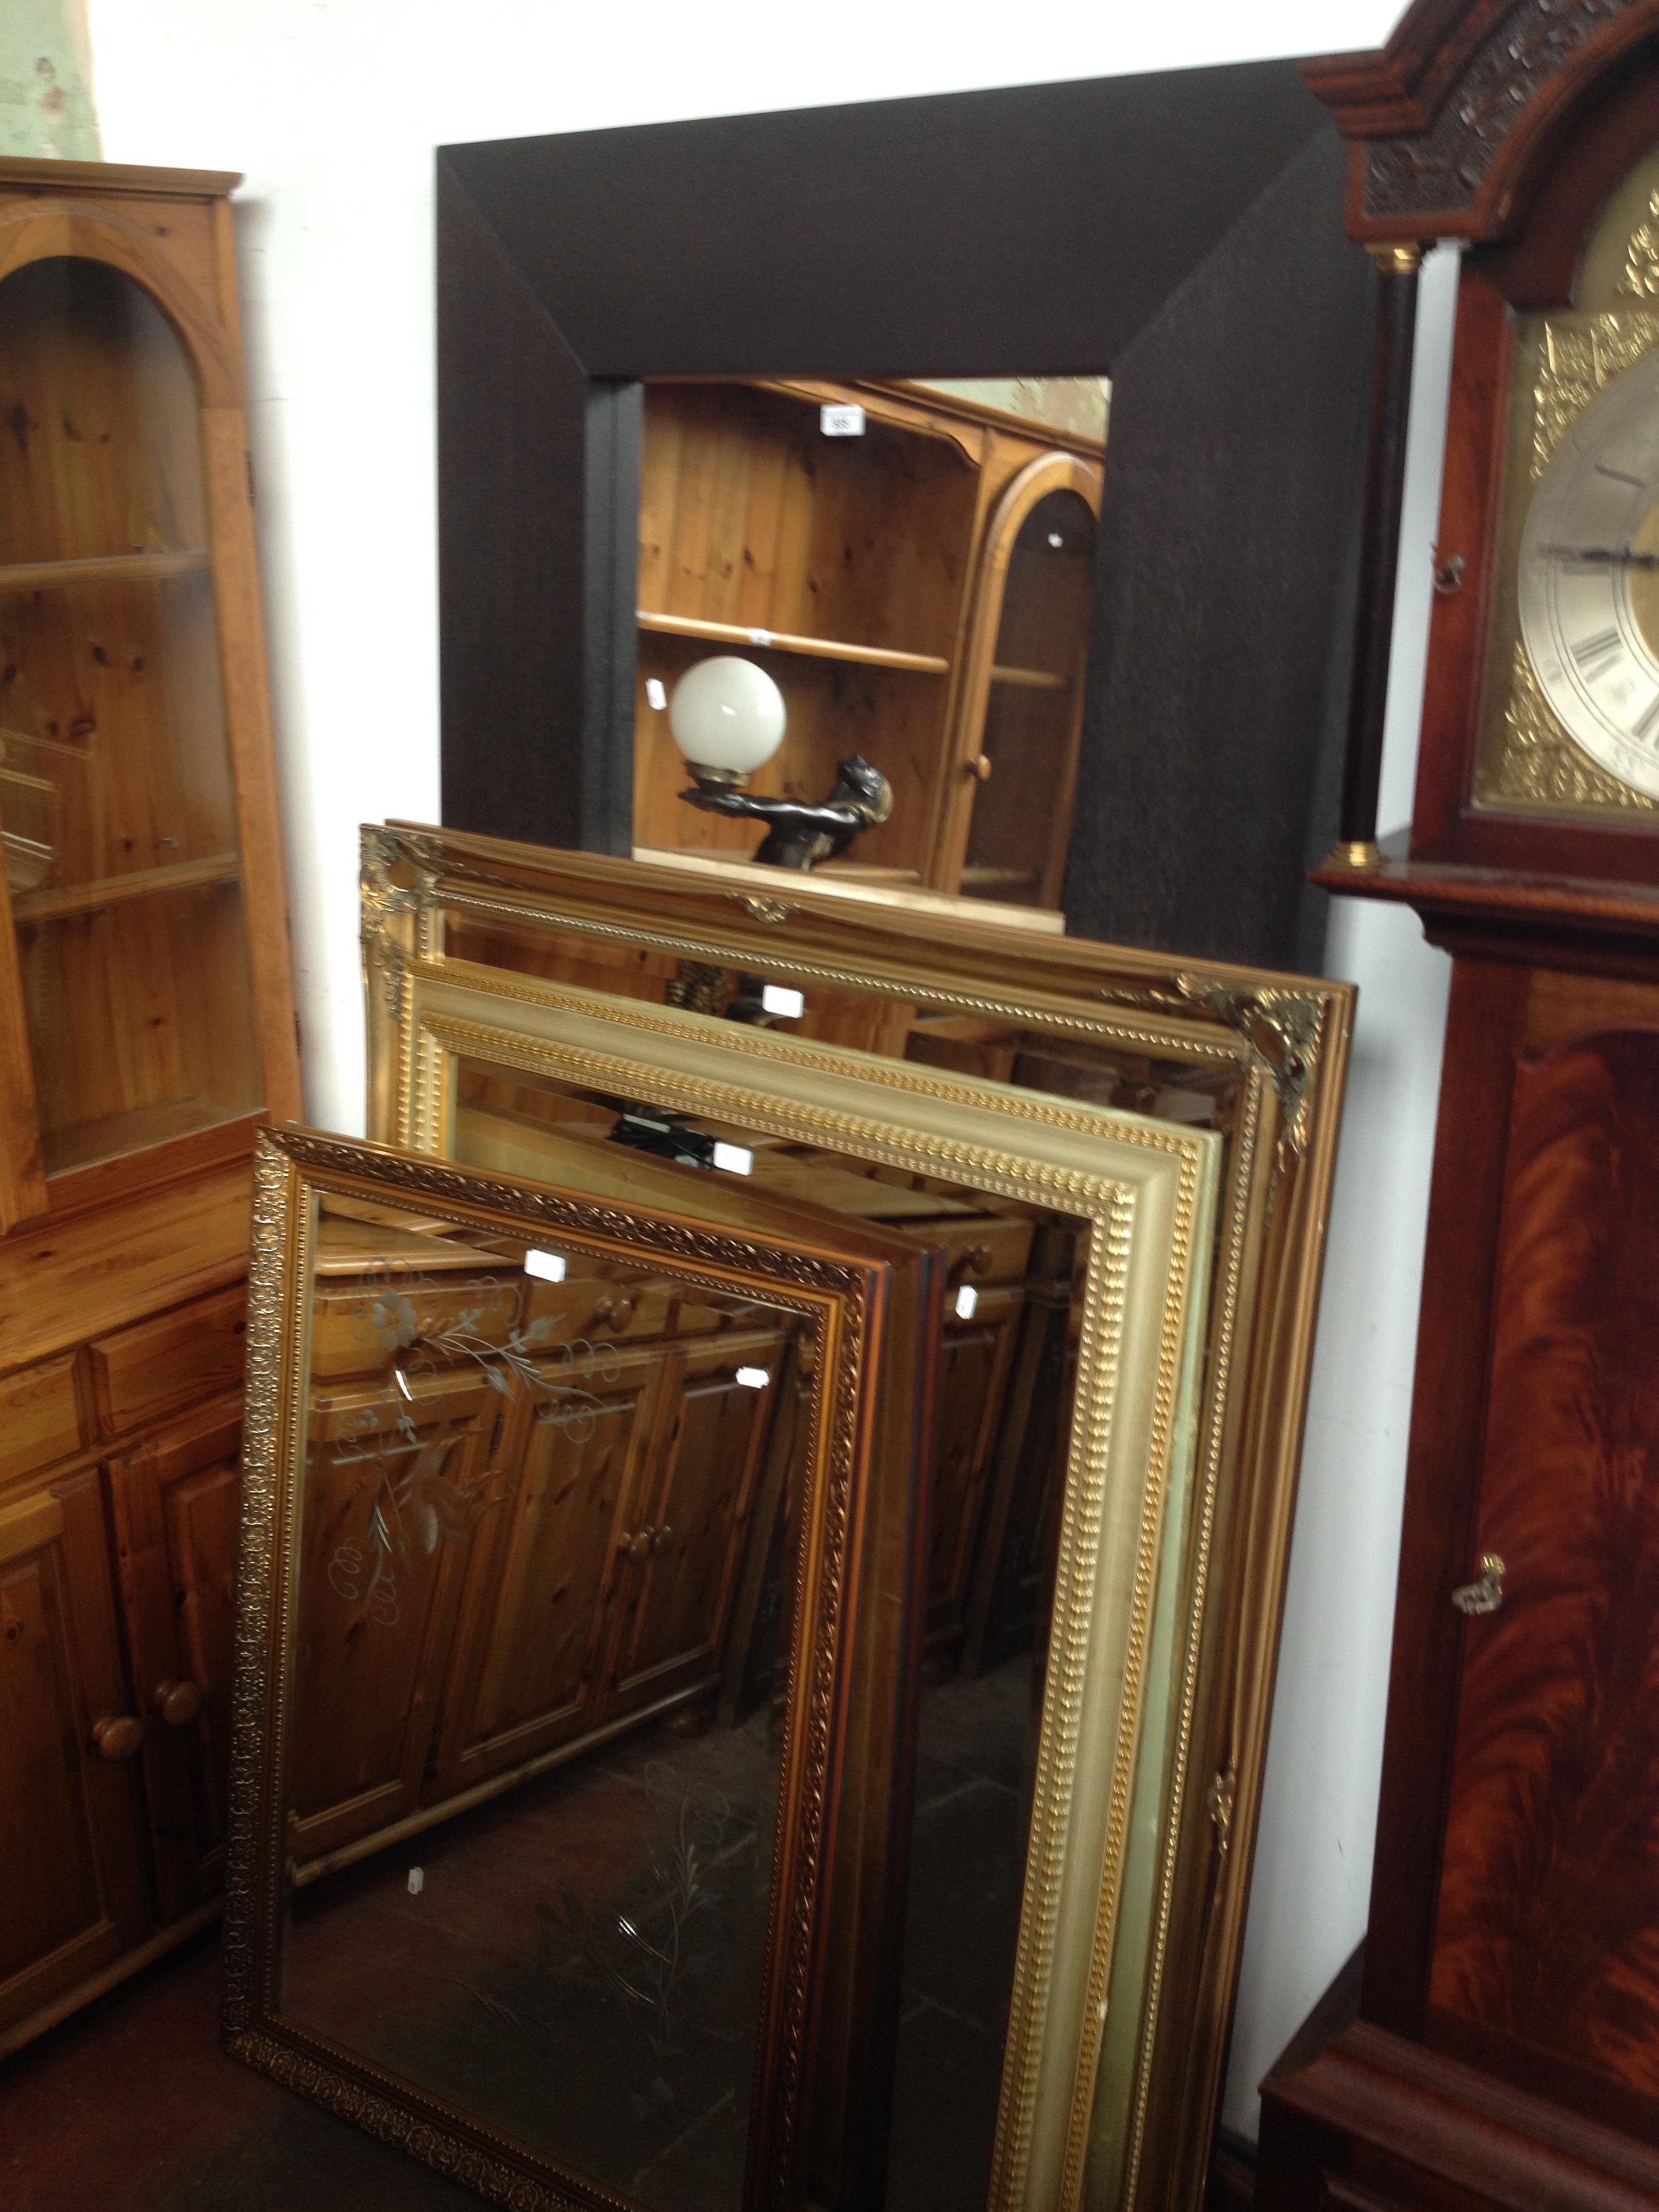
<point>1178,234</point>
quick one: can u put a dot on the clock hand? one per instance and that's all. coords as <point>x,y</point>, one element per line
<point>1627,559</point>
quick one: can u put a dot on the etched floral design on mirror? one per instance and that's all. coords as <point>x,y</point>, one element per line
<point>544,1618</point>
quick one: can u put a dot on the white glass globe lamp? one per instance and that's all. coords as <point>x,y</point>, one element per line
<point>727,718</point>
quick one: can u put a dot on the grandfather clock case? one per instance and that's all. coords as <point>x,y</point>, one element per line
<point>1496,2041</point>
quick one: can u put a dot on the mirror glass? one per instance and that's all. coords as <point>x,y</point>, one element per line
<point>1001,1408</point>
<point>544,1614</point>
<point>904,568</point>
<point>950,2049</point>
<point>1200,1090</point>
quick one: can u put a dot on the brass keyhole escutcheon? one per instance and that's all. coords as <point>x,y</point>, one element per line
<point>1486,1595</point>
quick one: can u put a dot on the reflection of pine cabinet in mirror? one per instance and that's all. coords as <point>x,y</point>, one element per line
<point>146,1028</point>
<point>531,1555</point>
<point>919,589</point>
<point>592,1566</point>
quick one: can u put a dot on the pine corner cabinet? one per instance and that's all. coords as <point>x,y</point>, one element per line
<point>146,1030</point>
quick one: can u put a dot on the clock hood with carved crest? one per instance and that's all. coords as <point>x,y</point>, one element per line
<point>1529,133</point>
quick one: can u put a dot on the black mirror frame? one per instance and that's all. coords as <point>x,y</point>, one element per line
<point>1057,229</point>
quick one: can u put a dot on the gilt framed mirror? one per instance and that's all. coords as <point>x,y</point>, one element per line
<point>578,1636</point>
<point>1257,1059</point>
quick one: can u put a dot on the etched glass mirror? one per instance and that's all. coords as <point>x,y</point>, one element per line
<point>576,1649</point>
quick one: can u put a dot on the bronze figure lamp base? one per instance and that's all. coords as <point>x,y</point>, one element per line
<point>727,717</point>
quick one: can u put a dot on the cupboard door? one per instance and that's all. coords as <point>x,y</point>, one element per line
<point>974,1362</point>
<point>539,1593</point>
<point>1545,1939</point>
<point>387,1528</point>
<point>682,1560</point>
<point>176,1502</point>
<point>71,1849</point>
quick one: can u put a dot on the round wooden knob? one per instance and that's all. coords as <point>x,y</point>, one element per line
<point>117,1736</point>
<point>661,1539</point>
<point>618,1311</point>
<point>637,1547</point>
<point>178,1703</point>
<point>980,767</point>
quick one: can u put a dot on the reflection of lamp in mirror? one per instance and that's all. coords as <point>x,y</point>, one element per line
<point>727,717</point>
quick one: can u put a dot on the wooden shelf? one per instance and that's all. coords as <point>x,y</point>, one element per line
<point>135,1132</point>
<point>1032,679</point>
<point>110,890</point>
<point>998,879</point>
<point>105,568</point>
<point>849,871</point>
<point>777,640</point>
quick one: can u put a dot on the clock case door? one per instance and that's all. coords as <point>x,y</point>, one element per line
<point>1533,269</point>
<point>830,1995</point>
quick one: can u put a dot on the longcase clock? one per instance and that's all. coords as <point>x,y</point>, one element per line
<point>1498,2041</point>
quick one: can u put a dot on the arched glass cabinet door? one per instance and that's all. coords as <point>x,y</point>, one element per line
<point>1022,698</point>
<point>118,809</point>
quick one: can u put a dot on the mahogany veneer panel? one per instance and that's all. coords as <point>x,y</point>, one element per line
<point>1548,1921</point>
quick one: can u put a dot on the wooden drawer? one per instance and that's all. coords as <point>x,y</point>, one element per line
<point>163,1364</point>
<point>990,1247</point>
<point>39,1422</point>
<point>359,1324</point>
<point>358,1327</point>
<point>593,1307</point>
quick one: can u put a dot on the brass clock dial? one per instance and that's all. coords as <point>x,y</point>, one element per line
<point>1587,580</point>
<point>1569,712</point>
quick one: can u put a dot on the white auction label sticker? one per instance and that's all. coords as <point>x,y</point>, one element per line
<point>841,421</point>
<point>967,1299</point>
<point>547,1265</point>
<point>779,998</point>
<point>734,1158</point>
<point>753,1378</point>
<point>655,695</point>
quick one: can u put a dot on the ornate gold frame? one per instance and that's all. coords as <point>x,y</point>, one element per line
<point>848,1297</point>
<point>1105,1168</point>
<point>1281,1044</point>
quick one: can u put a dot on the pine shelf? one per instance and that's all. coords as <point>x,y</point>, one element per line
<point>102,568</point>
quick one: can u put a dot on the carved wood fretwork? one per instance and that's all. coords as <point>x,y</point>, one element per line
<point>1444,114</point>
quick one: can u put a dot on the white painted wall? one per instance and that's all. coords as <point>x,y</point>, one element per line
<point>332,108</point>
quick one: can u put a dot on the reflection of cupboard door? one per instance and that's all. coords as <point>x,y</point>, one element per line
<point>974,1360</point>
<point>680,1562</point>
<point>538,1599</point>
<point>386,1527</point>
<point>176,1502</point>
<point>71,1892</point>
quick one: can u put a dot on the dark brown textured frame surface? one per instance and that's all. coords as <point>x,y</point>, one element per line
<point>1202,222</point>
<point>854,1301</point>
